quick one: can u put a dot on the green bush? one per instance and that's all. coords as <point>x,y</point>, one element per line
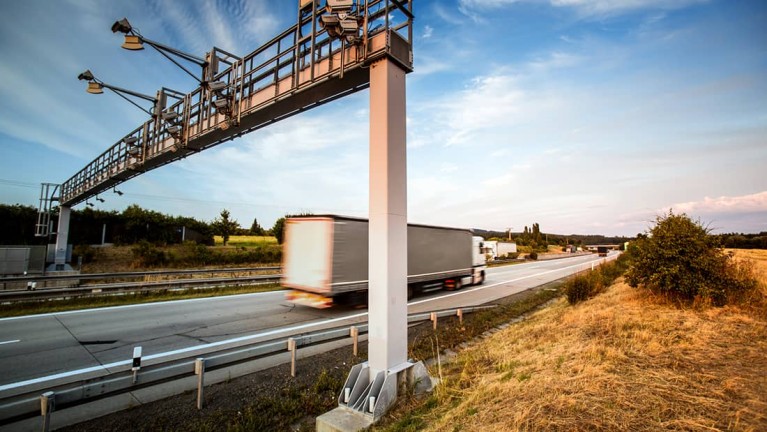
<point>148,255</point>
<point>586,285</point>
<point>87,252</point>
<point>190,253</point>
<point>582,287</point>
<point>532,255</point>
<point>679,258</point>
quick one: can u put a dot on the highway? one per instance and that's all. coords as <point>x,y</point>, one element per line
<point>38,346</point>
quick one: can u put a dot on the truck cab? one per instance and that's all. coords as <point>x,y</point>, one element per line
<point>479,260</point>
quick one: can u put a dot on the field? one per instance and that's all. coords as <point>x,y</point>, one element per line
<point>241,251</point>
<point>757,256</point>
<point>246,241</point>
<point>621,361</point>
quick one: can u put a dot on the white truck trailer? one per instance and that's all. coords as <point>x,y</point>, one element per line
<point>505,248</point>
<point>325,259</point>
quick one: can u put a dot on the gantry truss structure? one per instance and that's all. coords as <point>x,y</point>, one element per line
<point>305,66</point>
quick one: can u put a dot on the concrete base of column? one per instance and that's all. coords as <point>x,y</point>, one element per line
<point>53,268</point>
<point>363,402</point>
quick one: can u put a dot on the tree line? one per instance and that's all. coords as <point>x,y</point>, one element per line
<point>132,225</point>
<point>533,236</point>
<point>743,241</point>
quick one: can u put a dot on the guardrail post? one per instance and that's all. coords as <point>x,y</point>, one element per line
<point>434,319</point>
<point>136,363</point>
<point>47,400</point>
<point>592,266</point>
<point>355,334</point>
<point>459,312</point>
<point>292,349</point>
<point>199,370</point>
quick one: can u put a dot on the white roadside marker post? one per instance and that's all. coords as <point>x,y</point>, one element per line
<point>136,363</point>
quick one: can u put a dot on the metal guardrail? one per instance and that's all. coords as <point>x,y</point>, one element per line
<point>125,287</point>
<point>24,402</point>
<point>97,276</point>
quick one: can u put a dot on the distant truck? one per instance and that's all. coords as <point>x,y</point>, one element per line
<point>494,249</point>
<point>325,259</point>
<point>506,248</point>
<point>602,251</point>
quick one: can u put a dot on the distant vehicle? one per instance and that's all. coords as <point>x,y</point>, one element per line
<point>494,249</point>
<point>602,251</point>
<point>325,259</point>
<point>506,248</point>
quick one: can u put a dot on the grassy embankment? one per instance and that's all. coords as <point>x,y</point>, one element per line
<point>623,360</point>
<point>292,404</point>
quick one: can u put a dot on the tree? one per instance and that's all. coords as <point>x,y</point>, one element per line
<point>17,225</point>
<point>680,258</point>
<point>278,229</point>
<point>256,229</point>
<point>225,227</point>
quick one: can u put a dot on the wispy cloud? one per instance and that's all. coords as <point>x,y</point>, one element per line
<point>554,60</point>
<point>427,32</point>
<point>585,8</point>
<point>291,167</point>
<point>613,7</point>
<point>446,14</point>
<point>752,203</point>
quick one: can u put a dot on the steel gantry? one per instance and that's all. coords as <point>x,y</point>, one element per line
<point>300,69</point>
<point>336,47</point>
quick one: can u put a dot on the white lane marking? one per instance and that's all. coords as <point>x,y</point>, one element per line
<point>482,287</point>
<point>529,266</point>
<point>10,341</point>
<point>113,308</point>
<point>254,336</point>
<point>178,351</point>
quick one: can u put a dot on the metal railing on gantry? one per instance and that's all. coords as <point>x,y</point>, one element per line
<point>305,66</point>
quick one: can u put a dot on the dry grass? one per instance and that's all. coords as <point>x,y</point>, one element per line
<point>620,361</point>
<point>758,258</point>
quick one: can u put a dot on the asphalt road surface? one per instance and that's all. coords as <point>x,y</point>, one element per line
<point>35,348</point>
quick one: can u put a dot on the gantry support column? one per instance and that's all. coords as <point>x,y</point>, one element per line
<point>372,387</point>
<point>62,238</point>
<point>387,295</point>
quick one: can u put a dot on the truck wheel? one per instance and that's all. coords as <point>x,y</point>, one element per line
<point>410,292</point>
<point>481,278</point>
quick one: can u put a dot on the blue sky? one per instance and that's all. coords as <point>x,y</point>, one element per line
<point>586,116</point>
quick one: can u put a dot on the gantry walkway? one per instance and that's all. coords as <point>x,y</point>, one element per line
<point>298,70</point>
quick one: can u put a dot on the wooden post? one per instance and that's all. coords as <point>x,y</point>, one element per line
<point>292,349</point>
<point>46,408</point>
<point>459,312</point>
<point>199,370</point>
<point>434,319</point>
<point>355,333</point>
